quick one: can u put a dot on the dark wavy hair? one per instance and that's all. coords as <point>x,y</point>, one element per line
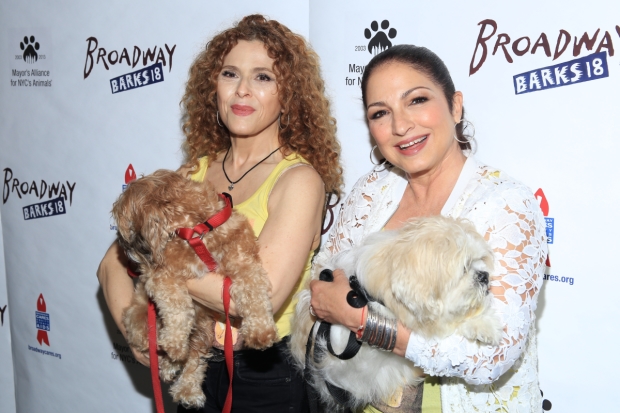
<point>427,62</point>
<point>310,129</point>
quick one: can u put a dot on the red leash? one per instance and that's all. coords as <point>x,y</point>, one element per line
<point>202,228</point>
<point>154,360</point>
<point>206,257</point>
<point>228,344</point>
<point>159,399</point>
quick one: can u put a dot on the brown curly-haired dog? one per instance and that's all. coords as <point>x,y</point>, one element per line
<point>148,213</point>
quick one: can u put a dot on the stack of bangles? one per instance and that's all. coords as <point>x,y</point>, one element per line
<point>379,331</point>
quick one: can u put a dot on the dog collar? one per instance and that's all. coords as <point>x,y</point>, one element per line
<point>204,227</point>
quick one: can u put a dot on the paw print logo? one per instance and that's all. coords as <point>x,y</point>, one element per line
<point>379,41</point>
<point>29,46</point>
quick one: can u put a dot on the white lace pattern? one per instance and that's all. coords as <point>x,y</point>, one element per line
<point>474,377</point>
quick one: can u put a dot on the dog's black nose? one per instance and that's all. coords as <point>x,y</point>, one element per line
<point>326,275</point>
<point>483,277</point>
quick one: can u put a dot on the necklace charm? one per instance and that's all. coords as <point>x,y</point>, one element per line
<point>232,183</point>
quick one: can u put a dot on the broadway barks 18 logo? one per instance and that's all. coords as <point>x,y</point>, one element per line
<point>583,69</point>
<point>147,75</point>
<point>379,41</point>
<point>57,194</point>
<point>2,310</point>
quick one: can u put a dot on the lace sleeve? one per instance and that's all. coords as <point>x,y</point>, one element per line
<point>513,225</point>
<point>348,229</point>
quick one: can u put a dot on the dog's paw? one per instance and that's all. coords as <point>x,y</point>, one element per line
<point>138,341</point>
<point>260,339</point>
<point>168,369</point>
<point>486,330</point>
<point>136,325</point>
<point>188,393</point>
<point>176,351</point>
<point>491,335</point>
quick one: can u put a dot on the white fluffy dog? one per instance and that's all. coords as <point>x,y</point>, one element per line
<point>432,275</point>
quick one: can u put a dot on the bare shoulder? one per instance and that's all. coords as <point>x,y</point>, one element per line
<point>300,182</point>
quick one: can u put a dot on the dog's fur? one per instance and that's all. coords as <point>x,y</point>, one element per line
<point>432,275</point>
<point>147,214</point>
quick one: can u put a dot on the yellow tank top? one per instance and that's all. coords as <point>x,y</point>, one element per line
<point>431,398</point>
<point>255,209</point>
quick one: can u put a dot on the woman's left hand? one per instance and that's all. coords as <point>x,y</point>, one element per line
<point>329,302</point>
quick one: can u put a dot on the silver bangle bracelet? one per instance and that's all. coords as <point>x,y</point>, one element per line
<point>380,331</point>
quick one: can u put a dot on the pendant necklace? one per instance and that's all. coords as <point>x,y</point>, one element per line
<point>232,184</point>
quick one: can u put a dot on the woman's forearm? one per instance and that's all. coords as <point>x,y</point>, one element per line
<point>207,290</point>
<point>116,285</point>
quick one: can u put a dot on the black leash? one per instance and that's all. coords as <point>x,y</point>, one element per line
<point>356,298</point>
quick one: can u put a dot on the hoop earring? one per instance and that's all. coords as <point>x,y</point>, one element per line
<point>469,125</point>
<point>288,121</point>
<point>372,161</point>
<point>460,141</point>
<point>217,116</point>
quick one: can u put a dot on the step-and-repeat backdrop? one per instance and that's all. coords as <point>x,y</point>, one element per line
<point>540,84</point>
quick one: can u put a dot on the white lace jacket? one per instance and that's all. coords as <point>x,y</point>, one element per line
<point>476,378</point>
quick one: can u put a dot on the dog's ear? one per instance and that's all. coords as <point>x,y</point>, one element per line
<point>122,212</point>
<point>141,220</point>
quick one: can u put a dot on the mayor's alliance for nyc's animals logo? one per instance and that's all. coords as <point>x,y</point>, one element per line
<point>149,74</point>
<point>30,66</point>
<point>585,68</point>
<point>379,39</point>
<point>56,195</point>
<point>30,48</point>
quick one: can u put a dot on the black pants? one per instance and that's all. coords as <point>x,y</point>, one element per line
<point>263,382</point>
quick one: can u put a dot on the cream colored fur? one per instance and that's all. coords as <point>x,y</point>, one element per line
<point>432,275</point>
<point>147,214</point>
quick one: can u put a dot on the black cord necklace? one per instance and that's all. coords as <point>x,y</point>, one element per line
<point>232,184</point>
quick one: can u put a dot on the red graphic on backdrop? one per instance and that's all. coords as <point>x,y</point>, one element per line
<point>542,200</point>
<point>41,304</point>
<point>130,174</point>
<point>544,206</point>
<point>43,321</point>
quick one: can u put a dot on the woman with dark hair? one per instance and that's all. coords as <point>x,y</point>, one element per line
<point>416,117</point>
<point>258,126</point>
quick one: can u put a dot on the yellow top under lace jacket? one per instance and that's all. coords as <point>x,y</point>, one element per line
<point>255,209</point>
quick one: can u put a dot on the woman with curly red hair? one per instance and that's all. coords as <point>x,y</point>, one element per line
<point>257,126</point>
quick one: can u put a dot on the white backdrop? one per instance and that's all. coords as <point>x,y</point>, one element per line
<point>67,141</point>
<point>7,385</point>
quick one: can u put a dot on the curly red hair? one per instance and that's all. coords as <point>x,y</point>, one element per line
<point>309,131</point>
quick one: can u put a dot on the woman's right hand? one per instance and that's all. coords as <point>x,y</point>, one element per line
<point>329,302</point>
<point>142,358</point>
